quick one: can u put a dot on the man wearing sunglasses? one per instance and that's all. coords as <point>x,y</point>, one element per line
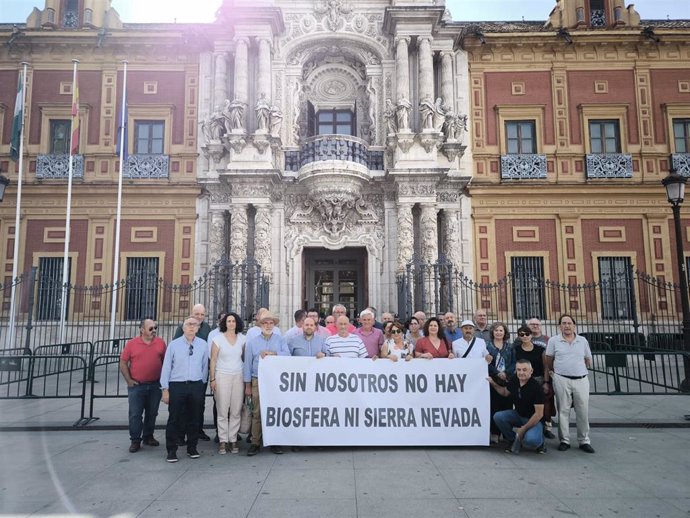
<point>183,380</point>
<point>140,364</point>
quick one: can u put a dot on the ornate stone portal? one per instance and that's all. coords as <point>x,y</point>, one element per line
<point>325,144</point>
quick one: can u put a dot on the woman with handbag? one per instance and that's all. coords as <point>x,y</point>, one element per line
<point>501,369</point>
<point>227,355</point>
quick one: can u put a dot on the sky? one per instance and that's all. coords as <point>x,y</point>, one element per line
<point>195,11</point>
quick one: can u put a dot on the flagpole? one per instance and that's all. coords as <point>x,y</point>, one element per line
<point>65,260</point>
<point>116,262</point>
<point>17,219</point>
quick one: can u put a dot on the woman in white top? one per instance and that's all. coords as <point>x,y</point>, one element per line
<point>227,355</point>
<point>397,348</point>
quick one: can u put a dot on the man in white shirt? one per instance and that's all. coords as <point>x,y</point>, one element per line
<point>469,346</point>
<point>345,344</point>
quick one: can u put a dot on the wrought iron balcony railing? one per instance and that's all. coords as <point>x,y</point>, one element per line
<point>334,147</point>
<point>681,163</point>
<point>57,166</point>
<point>609,165</point>
<point>147,166</point>
<point>523,167</point>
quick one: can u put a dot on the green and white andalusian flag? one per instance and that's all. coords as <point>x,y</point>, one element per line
<point>18,119</point>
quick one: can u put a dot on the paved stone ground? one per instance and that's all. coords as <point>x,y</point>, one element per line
<point>640,470</point>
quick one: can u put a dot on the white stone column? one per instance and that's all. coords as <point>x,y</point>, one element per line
<point>405,238</point>
<point>402,68</point>
<point>241,69</point>
<point>239,228</point>
<point>447,78</point>
<point>429,233</point>
<point>426,69</point>
<point>220,82</point>
<point>264,68</point>
<point>262,238</point>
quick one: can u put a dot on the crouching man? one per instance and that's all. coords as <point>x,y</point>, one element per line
<point>528,398</point>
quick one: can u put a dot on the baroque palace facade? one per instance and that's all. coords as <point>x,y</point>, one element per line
<point>334,143</point>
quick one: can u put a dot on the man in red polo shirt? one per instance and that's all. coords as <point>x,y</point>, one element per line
<point>141,362</point>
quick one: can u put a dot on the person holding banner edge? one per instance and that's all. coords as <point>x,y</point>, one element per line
<point>267,343</point>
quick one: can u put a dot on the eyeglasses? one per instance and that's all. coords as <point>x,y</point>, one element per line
<point>396,331</point>
<point>153,328</point>
<point>524,334</point>
<point>191,350</point>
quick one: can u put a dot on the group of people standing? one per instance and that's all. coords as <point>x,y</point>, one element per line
<point>521,374</point>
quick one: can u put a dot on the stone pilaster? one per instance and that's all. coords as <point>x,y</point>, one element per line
<point>429,233</point>
<point>264,68</point>
<point>216,237</point>
<point>239,228</point>
<point>262,238</point>
<point>453,237</point>
<point>402,68</point>
<point>405,236</point>
<point>426,68</point>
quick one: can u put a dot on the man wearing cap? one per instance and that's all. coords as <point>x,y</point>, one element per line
<point>469,345</point>
<point>568,355</point>
<point>267,343</point>
<point>183,380</point>
<point>256,330</point>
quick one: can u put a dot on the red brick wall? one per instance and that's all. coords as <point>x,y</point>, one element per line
<point>665,90</point>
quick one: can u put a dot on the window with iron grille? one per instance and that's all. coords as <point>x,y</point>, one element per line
<point>520,137</point>
<point>59,136</point>
<point>615,279</point>
<point>149,137</point>
<point>681,135</point>
<point>141,288</point>
<point>604,136</point>
<point>49,300</point>
<point>528,287</point>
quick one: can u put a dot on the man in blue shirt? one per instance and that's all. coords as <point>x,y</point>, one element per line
<point>268,343</point>
<point>451,322</point>
<point>307,343</point>
<point>183,380</point>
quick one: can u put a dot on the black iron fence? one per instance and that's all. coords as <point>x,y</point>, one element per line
<point>240,287</point>
<point>626,308</point>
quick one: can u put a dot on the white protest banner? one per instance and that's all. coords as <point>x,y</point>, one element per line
<point>350,402</point>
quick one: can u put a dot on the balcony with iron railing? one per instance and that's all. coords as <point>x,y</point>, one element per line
<point>146,166</point>
<point>681,163</point>
<point>523,167</point>
<point>334,147</point>
<point>55,166</point>
<point>609,165</point>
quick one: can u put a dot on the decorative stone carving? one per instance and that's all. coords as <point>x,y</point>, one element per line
<point>216,238</point>
<point>417,189</point>
<point>333,12</point>
<point>217,195</point>
<point>336,212</point>
<point>448,196</point>
<point>236,142</point>
<point>405,238</point>
<point>262,238</point>
<point>213,128</point>
<point>429,141</point>
<point>261,142</point>
<point>405,142</point>
<point>239,228</point>
<point>214,150</point>
<point>452,241</point>
<point>391,118</point>
<point>233,113</point>
<point>452,150</point>
<point>455,126</point>
<point>429,234</point>
<point>251,190</point>
<point>262,110</point>
<point>57,166</point>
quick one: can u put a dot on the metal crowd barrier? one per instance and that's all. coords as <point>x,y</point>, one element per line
<point>638,372</point>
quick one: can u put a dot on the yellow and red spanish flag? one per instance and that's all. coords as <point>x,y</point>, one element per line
<point>75,113</point>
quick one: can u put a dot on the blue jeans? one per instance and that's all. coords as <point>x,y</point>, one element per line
<point>143,400</point>
<point>506,420</point>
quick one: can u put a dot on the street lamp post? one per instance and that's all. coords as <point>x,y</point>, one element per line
<point>675,192</point>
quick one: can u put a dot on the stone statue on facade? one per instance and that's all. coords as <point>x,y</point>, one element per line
<point>213,128</point>
<point>402,113</point>
<point>234,115</point>
<point>262,110</point>
<point>431,113</point>
<point>390,117</point>
<point>275,120</point>
<point>455,125</point>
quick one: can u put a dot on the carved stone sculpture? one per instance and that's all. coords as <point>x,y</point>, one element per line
<point>262,241</point>
<point>405,238</point>
<point>390,117</point>
<point>234,115</point>
<point>275,120</point>
<point>427,110</point>
<point>262,110</point>
<point>238,233</point>
<point>213,128</point>
<point>439,114</point>
<point>402,112</point>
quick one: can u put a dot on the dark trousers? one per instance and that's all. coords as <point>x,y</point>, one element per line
<point>143,400</point>
<point>186,400</point>
<point>498,404</point>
